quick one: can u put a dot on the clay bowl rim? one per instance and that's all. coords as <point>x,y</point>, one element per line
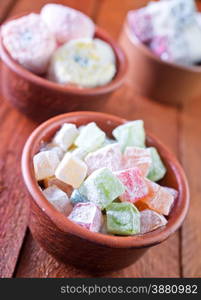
<point>67,226</point>
<point>147,52</point>
<point>117,81</point>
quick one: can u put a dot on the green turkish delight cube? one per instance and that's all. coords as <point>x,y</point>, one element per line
<point>102,187</point>
<point>130,134</point>
<point>123,219</point>
<point>157,170</point>
<point>91,137</point>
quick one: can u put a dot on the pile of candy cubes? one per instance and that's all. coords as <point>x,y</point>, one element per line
<point>105,184</point>
<point>59,43</point>
<point>170,28</point>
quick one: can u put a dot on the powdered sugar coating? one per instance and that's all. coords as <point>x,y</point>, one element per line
<point>29,42</point>
<point>67,23</point>
<point>140,22</point>
<point>137,157</point>
<point>58,199</point>
<point>102,187</point>
<point>169,28</point>
<point>77,197</point>
<point>45,164</point>
<point>151,220</point>
<point>65,137</point>
<point>91,137</point>
<point>160,199</point>
<point>172,191</point>
<point>71,170</point>
<point>109,156</point>
<point>123,218</point>
<point>157,169</point>
<point>136,187</point>
<point>130,134</point>
<point>83,62</point>
<point>87,215</point>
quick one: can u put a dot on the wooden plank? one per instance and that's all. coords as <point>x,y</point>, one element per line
<point>112,13</point>
<point>163,260</point>
<point>5,6</point>
<point>191,159</point>
<point>13,206</point>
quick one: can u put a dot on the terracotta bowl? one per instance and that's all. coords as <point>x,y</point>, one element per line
<point>153,78</point>
<point>40,98</point>
<point>72,244</point>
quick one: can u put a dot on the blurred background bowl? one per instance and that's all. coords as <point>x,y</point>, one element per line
<point>73,244</point>
<point>40,98</point>
<point>156,79</point>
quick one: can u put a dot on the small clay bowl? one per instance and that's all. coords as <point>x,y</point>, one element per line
<point>156,79</point>
<point>40,98</point>
<point>73,244</point>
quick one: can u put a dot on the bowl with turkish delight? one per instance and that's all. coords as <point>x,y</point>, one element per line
<point>163,44</point>
<point>58,60</point>
<point>102,190</point>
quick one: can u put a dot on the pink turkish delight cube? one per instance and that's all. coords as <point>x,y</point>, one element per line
<point>29,42</point>
<point>151,220</point>
<point>136,186</point>
<point>87,215</point>
<point>140,23</point>
<point>160,46</point>
<point>109,157</point>
<point>172,191</point>
<point>67,23</point>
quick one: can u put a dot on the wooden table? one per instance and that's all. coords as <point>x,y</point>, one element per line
<point>179,128</point>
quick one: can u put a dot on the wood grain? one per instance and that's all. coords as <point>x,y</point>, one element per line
<point>190,146</point>
<point>163,260</point>
<point>191,159</point>
<point>13,207</point>
<point>112,13</point>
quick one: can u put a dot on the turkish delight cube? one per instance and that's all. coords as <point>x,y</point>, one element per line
<point>90,138</point>
<point>67,23</point>
<point>65,137</point>
<point>102,187</point>
<point>136,187</point>
<point>45,164</point>
<point>109,156</point>
<point>160,199</point>
<point>58,199</point>
<point>29,42</point>
<point>87,215</point>
<point>151,220</point>
<point>77,197</point>
<point>71,170</point>
<point>130,134</point>
<point>123,219</point>
<point>157,169</point>
<point>137,157</point>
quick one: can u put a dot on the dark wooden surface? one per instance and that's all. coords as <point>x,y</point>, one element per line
<point>179,128</point>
